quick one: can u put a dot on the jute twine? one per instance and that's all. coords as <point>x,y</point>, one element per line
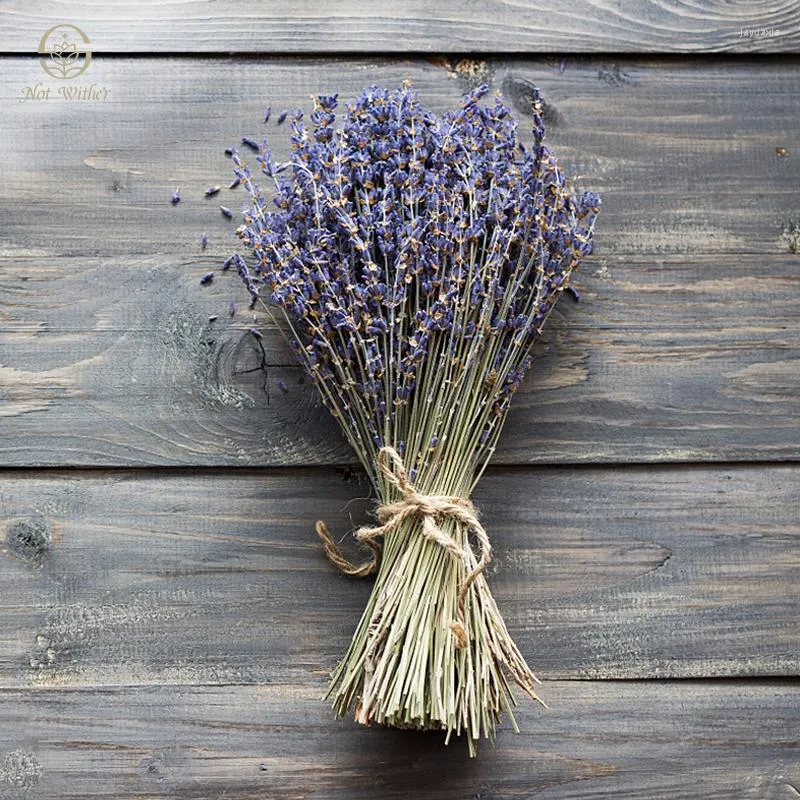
<point>430,509</point>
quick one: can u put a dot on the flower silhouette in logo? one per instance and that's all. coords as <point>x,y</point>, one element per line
<point>65,52</point>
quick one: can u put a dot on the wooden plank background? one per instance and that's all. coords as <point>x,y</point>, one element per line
<point>309,26</point>
<point>666,740</point>
<point>683,349</point>
<point>167,620</point>
<point>214,576</point>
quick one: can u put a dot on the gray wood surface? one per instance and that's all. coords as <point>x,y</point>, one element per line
<point>448,26</point>
<point>217,577</point>
<point>659,362</point>
<point>167,618</point>
<point>682,151</point>
<point>683,349</point>
<point>665,740</point>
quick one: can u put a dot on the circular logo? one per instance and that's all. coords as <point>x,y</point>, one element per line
<point>65,52</point>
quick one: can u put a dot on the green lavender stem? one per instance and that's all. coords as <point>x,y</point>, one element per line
<point>404,667</point>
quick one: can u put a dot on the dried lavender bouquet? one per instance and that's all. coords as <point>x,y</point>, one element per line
<point>414,260</point>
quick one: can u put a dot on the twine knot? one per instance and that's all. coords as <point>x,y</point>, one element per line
<point>431,509</point>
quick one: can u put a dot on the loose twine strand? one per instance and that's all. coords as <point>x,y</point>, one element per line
<point>430,509</point>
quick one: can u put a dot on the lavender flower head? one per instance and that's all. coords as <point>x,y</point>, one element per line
<point>416,258</point>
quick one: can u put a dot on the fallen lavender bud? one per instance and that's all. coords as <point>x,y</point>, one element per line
<point>235,182</point>
<point>229,151</point>
<point>249,281</point>
<point>574,293</point>
<point>207,278</point>
<point>226,212</point>
<point>212,190</point>
<point>251,143</point>
<point>176,197</point>
<point>267,113</point>
<point>282,117</point>
<point>203,241</point>
<point>232,308</point>
<point>282,385</point>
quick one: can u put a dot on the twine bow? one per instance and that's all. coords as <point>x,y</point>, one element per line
<point>430,509</point>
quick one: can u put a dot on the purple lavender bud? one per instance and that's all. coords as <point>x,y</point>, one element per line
<point>229,151</point>
<point>282,117</point>
<point>226,212</point>
<point>176,197</point>
<point>213,318</point>
<point>335,245</point>
<point>207,278</point>
<point>255,333</point>
<point>203,241</point>
<point>282,385</point>
<point>251,143</point>
<point>573,293</point>
<point>377,326</point>
<point>235,182</point>
<point>590,201</point>
<point>231,308</point>
<point>267,113</point>
<point>212,190</point>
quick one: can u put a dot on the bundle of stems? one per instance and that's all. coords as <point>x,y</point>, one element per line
<point>414,260</point>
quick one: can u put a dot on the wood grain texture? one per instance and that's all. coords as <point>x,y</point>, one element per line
<point>685,347</point>
<point>660,740</point>
<point>116,362</point>
<point>683,152</point>
<point>500,26</point>
<point>217,577</point>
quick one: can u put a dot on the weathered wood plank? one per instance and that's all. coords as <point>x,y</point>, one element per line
<point>678,740</point>
<point>210,577</point>
<point>685,348</point>
<point>297,26</point>
<point>116,362</point>
<point>683,152</point>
